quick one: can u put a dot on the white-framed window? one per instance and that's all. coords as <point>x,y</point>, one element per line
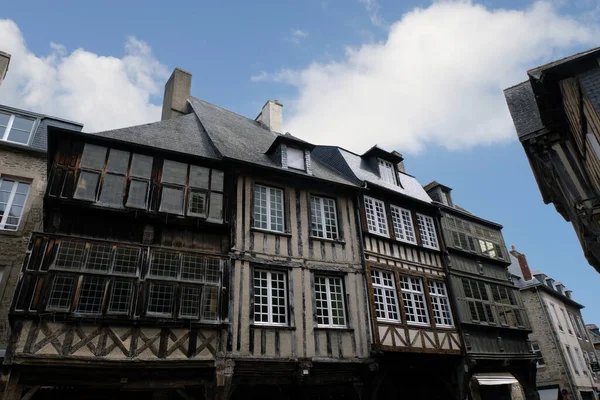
<point>538,353</point>
<point>575,326</point>
<point>586,358</point>
<point>376,218</point>
<point>413,296</point>
<point>582,328</point>
<point>268,208</point>
<point>386,296</point>
<point>580,360</point>
<point>323,218</point>
<point>329,297</point>
<point>295,158</point>
<point>387,172</point>
<point>571,358</point>
<point>557,319</point>
<point>270,297</point>
<point>16,129</point>
<point>13,195</point>
<point>403,225</point>
<point>440,304</point>
<point>564,313</point>
<point>427,231</point>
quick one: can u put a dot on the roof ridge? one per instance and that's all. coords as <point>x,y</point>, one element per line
<point>233,112</point>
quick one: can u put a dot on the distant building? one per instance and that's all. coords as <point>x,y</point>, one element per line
<point>556,113</point>
<point>4,62</point>
<point>491,314</point>
<point>559,337</point>
<point>22,183</point>
<point>594,334</point>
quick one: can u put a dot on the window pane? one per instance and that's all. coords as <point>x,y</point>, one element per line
<point>323,317</point>
<point>276,209</point>
<point>414,300</point>
<point>126,260</point>
<point>141,166</point>
<point>161,299</point>
<point>91,295</point>
<point>174,172</point>
<point>427,231</point>
<point>164,264</point>
<point>23,124</point>
<point>99,257</point>
<point>120,297</point>
<point>4,118</point>
<point>216,207</point>
<point>330,216</point>
<point>93,157</point>
<point>295,158</point>
<point>386,300</point>
<point>61,293</point>
<point>201,269</point>
<point>216,183</point>
<point>199,177</point>
<point>118,161</point>
<point>270,297</point>
<point>138,194</point>
<point>172,200</point>
<point>316,217</point>
<point>18,136</point>
<point>112,190</point>
<point>260,207</point>
<point>210,301</point>
<point>403,226</point>
<point>70,255</point>
<point>86,186</point>
<point>197,203</point>
<point>387,171</point>
<point>190,302</point>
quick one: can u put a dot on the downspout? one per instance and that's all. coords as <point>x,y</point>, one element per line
<point>557,343</point>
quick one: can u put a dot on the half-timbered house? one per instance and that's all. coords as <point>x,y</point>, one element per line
<point>493,321</point>
<point>412,328</point>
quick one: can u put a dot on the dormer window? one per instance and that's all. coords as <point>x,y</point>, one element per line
<point>387,172</point>
<point>445,198</point>
<point>15,129</point>
<point>295,158</point>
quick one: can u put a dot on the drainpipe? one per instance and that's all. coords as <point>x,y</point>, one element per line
<point>558,344</point>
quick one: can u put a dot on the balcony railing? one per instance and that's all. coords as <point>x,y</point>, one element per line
<point>72,277</point>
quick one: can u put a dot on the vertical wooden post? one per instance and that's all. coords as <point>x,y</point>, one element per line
<point>13,387</point>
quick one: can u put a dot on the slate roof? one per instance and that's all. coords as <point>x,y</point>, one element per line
<point>523,108</point>
<point>590,83</point>
<point>242,139</point>
<point>181,134</point>
<point>537,71</point>
<point>359,168</point>
<point>39,141</point>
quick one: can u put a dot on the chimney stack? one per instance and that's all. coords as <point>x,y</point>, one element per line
<point>4,61</point>
<point>271,116</point>
<point>400,165</point>
<point>522,263</point>
<point>177,92</point>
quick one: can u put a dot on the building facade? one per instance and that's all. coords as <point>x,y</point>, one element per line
<point>491,314</point>
<point>22,184</point>
<point>413,334</point>
<point>556,115</point>
<point>559,338</point>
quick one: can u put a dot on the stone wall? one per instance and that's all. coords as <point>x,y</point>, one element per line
<point>31,167</point>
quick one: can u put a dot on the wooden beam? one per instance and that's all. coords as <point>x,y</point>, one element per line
<point>31,392</point>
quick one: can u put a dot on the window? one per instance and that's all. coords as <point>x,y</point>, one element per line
<point>387,172</point>
<point>295,158</point>
<point>564,313</point>
<point>15,129</point>
<point>126,260</point>
<point>174,177</point>
<point>13,195</point>
<point>384,291</point>
<point>101,257</point>
<point>329,296</point>
<point>440,303</point>
<point>113,185</point>
<point>538,353</point>
<point>582,365</point>
<point>70,255</point>
<point>582,328</point>
<point>478,301</point>
<point>556,318</point>
<point>487,248</point>
<point>427,232</point>
<point>91,295</point>
<point>161,299</point>
<point>190,302</point>
<point>91,167</point>
<point>403,225</point>
<point>586,358</point>
<point>506,305</point>
<point>270,297</point>
<point>473,237</point>
<point>61,293</point>
<point>121,295</point>
<point>323,218</point>
<point>139,181</point>
<point>572,359</point>
<point>445,198</point>
<point>414,300</point>
<point>268,208</point>
<point>376,218</point>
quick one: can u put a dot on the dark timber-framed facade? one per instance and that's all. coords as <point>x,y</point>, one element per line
<point>491,314</point>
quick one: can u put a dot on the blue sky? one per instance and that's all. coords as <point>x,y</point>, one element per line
<point>355,72</point>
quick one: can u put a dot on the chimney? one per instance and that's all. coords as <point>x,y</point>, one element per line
<point>177,92</point>
<point>4,61</point>
<point>400,165</point>
<point>522,263</point>
<point>271,116</point>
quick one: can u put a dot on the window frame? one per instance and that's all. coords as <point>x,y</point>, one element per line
<point>539,355</point>
<point>10,202</point>
<point>556,317</point>
<point>413,295</point>
<point>486,304</point>
<point>385,289</point>
<point>300,151</point>
<point>572,359</point>
<point>387,170</point>
<point>269,296</point>
<point>4,136</point>
<point>381,226</point>
<point>268,209</point>
<point>438,299</point>
<point>567,322</point>
<point>323,219</point>
<point>327,283</point>
<point>402,226</point>
<point>428,233</point>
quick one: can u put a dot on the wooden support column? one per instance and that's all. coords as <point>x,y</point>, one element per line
<point>13,389</point>
<point>224,379</point>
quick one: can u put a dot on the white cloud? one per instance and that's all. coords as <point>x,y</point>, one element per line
<point>372,7</point>
<point>299,33</point>
<point>437,79</point>
<point>102,92</point>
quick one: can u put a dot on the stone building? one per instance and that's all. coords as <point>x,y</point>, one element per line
<point>594,333</point>
<point>556,113</point>
<point>559,337</point>
<point>22,184</point>
<point>492,319</point>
